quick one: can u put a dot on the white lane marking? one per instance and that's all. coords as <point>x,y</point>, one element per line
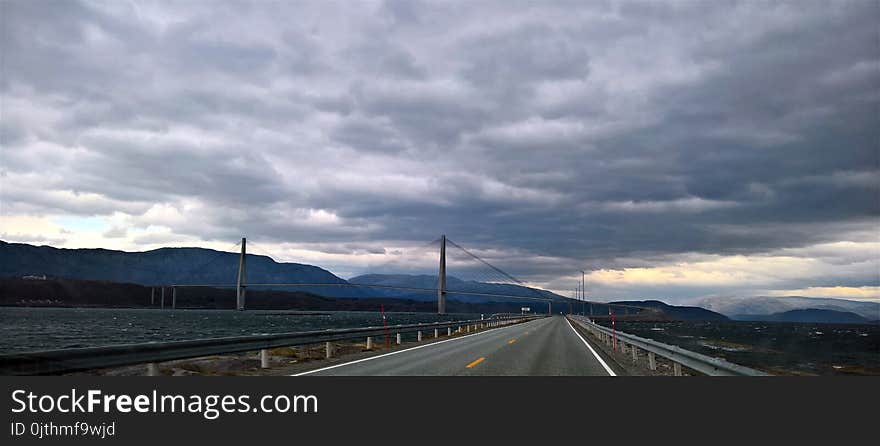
<point>607,369</point>
<point>400,351</point>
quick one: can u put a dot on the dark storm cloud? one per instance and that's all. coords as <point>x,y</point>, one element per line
<point>587,134</point>
<point>529,53</point>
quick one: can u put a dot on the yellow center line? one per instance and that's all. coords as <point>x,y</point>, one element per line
<point>475,362</point>
<point>511,341</point>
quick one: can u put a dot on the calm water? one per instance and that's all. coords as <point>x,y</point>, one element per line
<point>24,329</point>
<point>781,348</point>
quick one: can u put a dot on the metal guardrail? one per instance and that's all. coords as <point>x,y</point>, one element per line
<point>706,365</point>
<point>79,359</point>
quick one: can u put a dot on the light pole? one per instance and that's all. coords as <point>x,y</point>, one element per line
<point>583,301</point>
<point>584,290</point>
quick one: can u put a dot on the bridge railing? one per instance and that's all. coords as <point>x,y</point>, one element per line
<point>679,357</point>
<point>151,353</point>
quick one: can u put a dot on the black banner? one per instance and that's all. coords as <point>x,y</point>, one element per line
<point>380,410</point>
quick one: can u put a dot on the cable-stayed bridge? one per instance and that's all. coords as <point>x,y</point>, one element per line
<point>500,284</point>
<point>500,344</point>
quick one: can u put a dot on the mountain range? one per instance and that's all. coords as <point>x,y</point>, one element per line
<point>743,308</point>
<point>681,313</point>
<point>809,315</point>
<point>166,266</point>
<point>453,284</point>
<point>163,266</point>
<point>56,292</point>
<point>180,266</point>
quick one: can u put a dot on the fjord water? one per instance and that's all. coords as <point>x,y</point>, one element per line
<point>28,329</point>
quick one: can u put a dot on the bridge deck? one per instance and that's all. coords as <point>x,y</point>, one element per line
<point>542,347</point>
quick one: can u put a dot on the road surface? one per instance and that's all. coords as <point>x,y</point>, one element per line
<point>543,347</point>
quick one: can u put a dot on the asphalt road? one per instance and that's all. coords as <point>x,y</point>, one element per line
<point>542,347</point>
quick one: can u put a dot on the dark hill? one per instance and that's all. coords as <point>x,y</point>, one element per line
<point>162,266</point>
<point>681,313</point>
<point>809,315</point>
<point>89,293</point>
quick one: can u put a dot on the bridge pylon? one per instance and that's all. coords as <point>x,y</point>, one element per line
<point>241,285</point>
<point>441,283</point>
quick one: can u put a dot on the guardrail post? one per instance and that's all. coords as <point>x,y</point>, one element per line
<point>448,331</point>
<point>398,339</point>
<point>420,336</point>
<point>146,355</point>
<point>264,358</point>
<point>328,350</point>
<point>468,328</point>
<point>679,357</point>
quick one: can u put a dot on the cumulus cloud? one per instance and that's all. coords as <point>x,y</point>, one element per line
<point>619,137</point>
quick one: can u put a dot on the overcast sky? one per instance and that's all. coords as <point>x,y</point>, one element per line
<point>673,150</point>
